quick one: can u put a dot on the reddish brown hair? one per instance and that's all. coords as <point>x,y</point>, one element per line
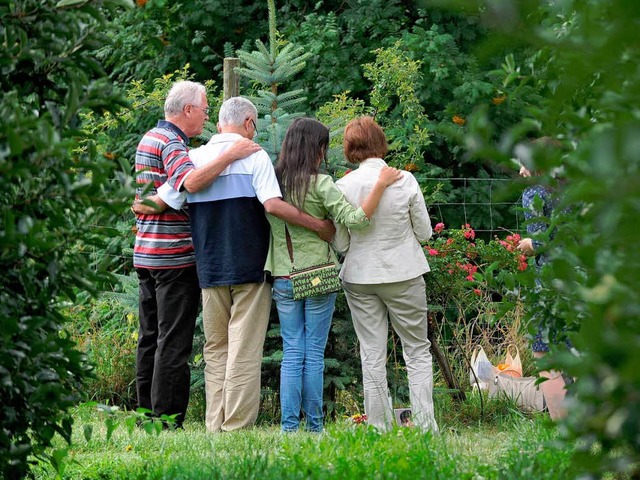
<point>364,138</point>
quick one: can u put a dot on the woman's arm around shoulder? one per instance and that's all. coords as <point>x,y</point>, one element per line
<point>347,214</point>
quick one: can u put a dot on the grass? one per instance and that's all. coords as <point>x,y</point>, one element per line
<point>507,445</point>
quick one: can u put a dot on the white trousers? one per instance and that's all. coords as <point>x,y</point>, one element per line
<point>405,304</point>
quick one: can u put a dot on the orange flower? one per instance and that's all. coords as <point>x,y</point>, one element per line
<point>108,155</point>
<point>499,99</point>
<point>458,120</point>
<point>411,167</point>
<point>141,3</point>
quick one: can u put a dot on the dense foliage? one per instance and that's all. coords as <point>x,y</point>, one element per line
<point>49,196</point>
<point>338,40</point>
<point>587,55</point>
<point>455,91</point>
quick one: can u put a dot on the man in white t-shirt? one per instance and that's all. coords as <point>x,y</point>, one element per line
<point>231,235</point>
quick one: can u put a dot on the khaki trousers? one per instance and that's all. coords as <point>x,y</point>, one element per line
<point>405,304</point>
<point>235,320</point>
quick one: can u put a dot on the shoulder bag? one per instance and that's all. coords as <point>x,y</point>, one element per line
<point>315,280</point>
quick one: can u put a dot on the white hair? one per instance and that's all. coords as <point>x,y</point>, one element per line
<point>181,94</point>
<point>235,111</point>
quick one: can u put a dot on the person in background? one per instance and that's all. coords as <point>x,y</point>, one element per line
<point>305,324</point>
<point>163,254</point>
<point>383,279</point>
<point>539,202</point>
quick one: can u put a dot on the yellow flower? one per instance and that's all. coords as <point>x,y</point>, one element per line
<point>128,448</point>
<point>458,120</point>
<point>499,99</point>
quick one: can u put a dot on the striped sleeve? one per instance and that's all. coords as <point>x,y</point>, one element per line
<point>177,163</point>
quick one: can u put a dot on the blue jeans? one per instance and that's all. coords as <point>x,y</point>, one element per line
<point>304,327</point>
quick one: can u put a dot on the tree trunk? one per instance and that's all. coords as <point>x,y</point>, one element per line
<point>439,356</point>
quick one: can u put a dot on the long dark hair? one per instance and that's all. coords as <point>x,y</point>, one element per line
<point>305,143</point>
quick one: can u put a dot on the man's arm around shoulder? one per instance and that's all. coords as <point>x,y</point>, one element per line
<point>200,178</point>
<point>287,212</point>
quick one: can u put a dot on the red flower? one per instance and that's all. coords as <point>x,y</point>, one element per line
<point>477,291</point>
<point>433,252</point>
<point>469,234</point>
<point>522,263</point>
<point>439,227</point>
<point>359,418</point>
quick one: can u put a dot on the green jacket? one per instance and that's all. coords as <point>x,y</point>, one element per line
<point>323,200</point>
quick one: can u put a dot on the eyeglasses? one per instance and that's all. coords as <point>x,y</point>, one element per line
<point>255,128</point>
<point>205,110</point>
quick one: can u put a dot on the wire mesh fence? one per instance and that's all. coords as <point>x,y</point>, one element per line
<point>492,206</point>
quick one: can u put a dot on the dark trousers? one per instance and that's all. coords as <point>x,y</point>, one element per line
<point>169,301</point>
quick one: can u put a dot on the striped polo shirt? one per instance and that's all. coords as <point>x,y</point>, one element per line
<point>228,222</point>
<point>163,240</point>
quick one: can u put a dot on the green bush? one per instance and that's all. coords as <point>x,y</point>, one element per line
<point>105,329</point>
<point>588,64</point>
<point>50,196</point>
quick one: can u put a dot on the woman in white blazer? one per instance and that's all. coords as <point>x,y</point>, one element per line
<point>382,277</point>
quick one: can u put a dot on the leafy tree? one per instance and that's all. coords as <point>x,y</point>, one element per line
<point>50,198</point>
<point>341,35</point>
<point>590,66</point>
<point>159,36</point>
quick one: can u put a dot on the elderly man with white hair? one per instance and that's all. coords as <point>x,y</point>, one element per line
<point>163,256</point>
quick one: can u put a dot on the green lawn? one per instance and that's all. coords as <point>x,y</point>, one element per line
<point>511,446</point>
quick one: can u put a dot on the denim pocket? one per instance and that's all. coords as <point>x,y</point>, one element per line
<point>282,289</point>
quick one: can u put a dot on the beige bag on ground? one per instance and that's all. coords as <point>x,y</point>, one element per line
<point>512,365</point>
<point>523,390</point>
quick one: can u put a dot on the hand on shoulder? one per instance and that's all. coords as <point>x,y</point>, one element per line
<point>243,148</point>
<point>389,175</point>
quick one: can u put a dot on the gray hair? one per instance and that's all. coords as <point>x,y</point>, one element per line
<point>181,94</point>
<point>235,111</point>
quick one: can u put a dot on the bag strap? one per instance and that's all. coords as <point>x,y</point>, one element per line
<point>474,354</point>
<point>289,243</point>
<point>290,246</point>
